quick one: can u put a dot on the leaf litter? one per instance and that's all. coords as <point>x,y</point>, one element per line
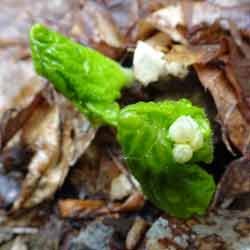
<point>62,180</point>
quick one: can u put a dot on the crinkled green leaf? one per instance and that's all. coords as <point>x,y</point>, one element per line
<point>143,131</point>
<point>180,189</point>
<point>89,79</point>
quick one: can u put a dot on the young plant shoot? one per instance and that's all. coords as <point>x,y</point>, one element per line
<point>162,142</point>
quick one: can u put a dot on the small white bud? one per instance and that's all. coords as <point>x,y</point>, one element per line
<point>182,153</point>
<point>183,129</point>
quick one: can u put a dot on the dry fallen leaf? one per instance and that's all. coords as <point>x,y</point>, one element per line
<point>42,133</point>
<point>235,181</point>
<point>232,121</point>
<point>70,208</point>
<point>19,88</point>
<point>73,208</point>
<point>57,142</point>
<point>237,71</point>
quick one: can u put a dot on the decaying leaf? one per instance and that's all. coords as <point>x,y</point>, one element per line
<point>57,142</point>
<point>42,133</point>
<point>237,71</point>
<point>76,209</point>
<point>72,208</point>
<point>19,87</point>
<point>236,127</point>
<point>235,181</point>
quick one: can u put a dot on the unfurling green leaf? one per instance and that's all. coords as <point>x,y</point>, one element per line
<point>89,79</point>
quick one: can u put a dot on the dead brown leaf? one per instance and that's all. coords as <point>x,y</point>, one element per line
<point>235,181</point>
<point>71,208</point>
<point>90,208</point>
<point>42,133</point>
<point>19,88</point>
<point>237,70</point>
<point>236,127</point>
<point>58,135</point>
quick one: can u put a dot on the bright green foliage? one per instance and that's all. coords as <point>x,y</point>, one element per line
<point>180,189</point>
<point>89,79</point>
<point>93,83</point>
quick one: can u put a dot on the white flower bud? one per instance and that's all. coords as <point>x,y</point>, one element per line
<point>183,129</point>
<point>182,153</point>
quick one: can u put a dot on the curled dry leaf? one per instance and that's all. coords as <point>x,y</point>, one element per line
<point>57,142</point>
<point>235,181</point>
<point>236,127</point>
<point>237,71</point>
<point>70,208</point>
<point>77,134</point>
<point>19,87</point>
<point>42,133</point>
<point>135,202</point>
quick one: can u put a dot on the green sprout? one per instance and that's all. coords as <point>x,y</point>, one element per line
<point>162,142</point>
